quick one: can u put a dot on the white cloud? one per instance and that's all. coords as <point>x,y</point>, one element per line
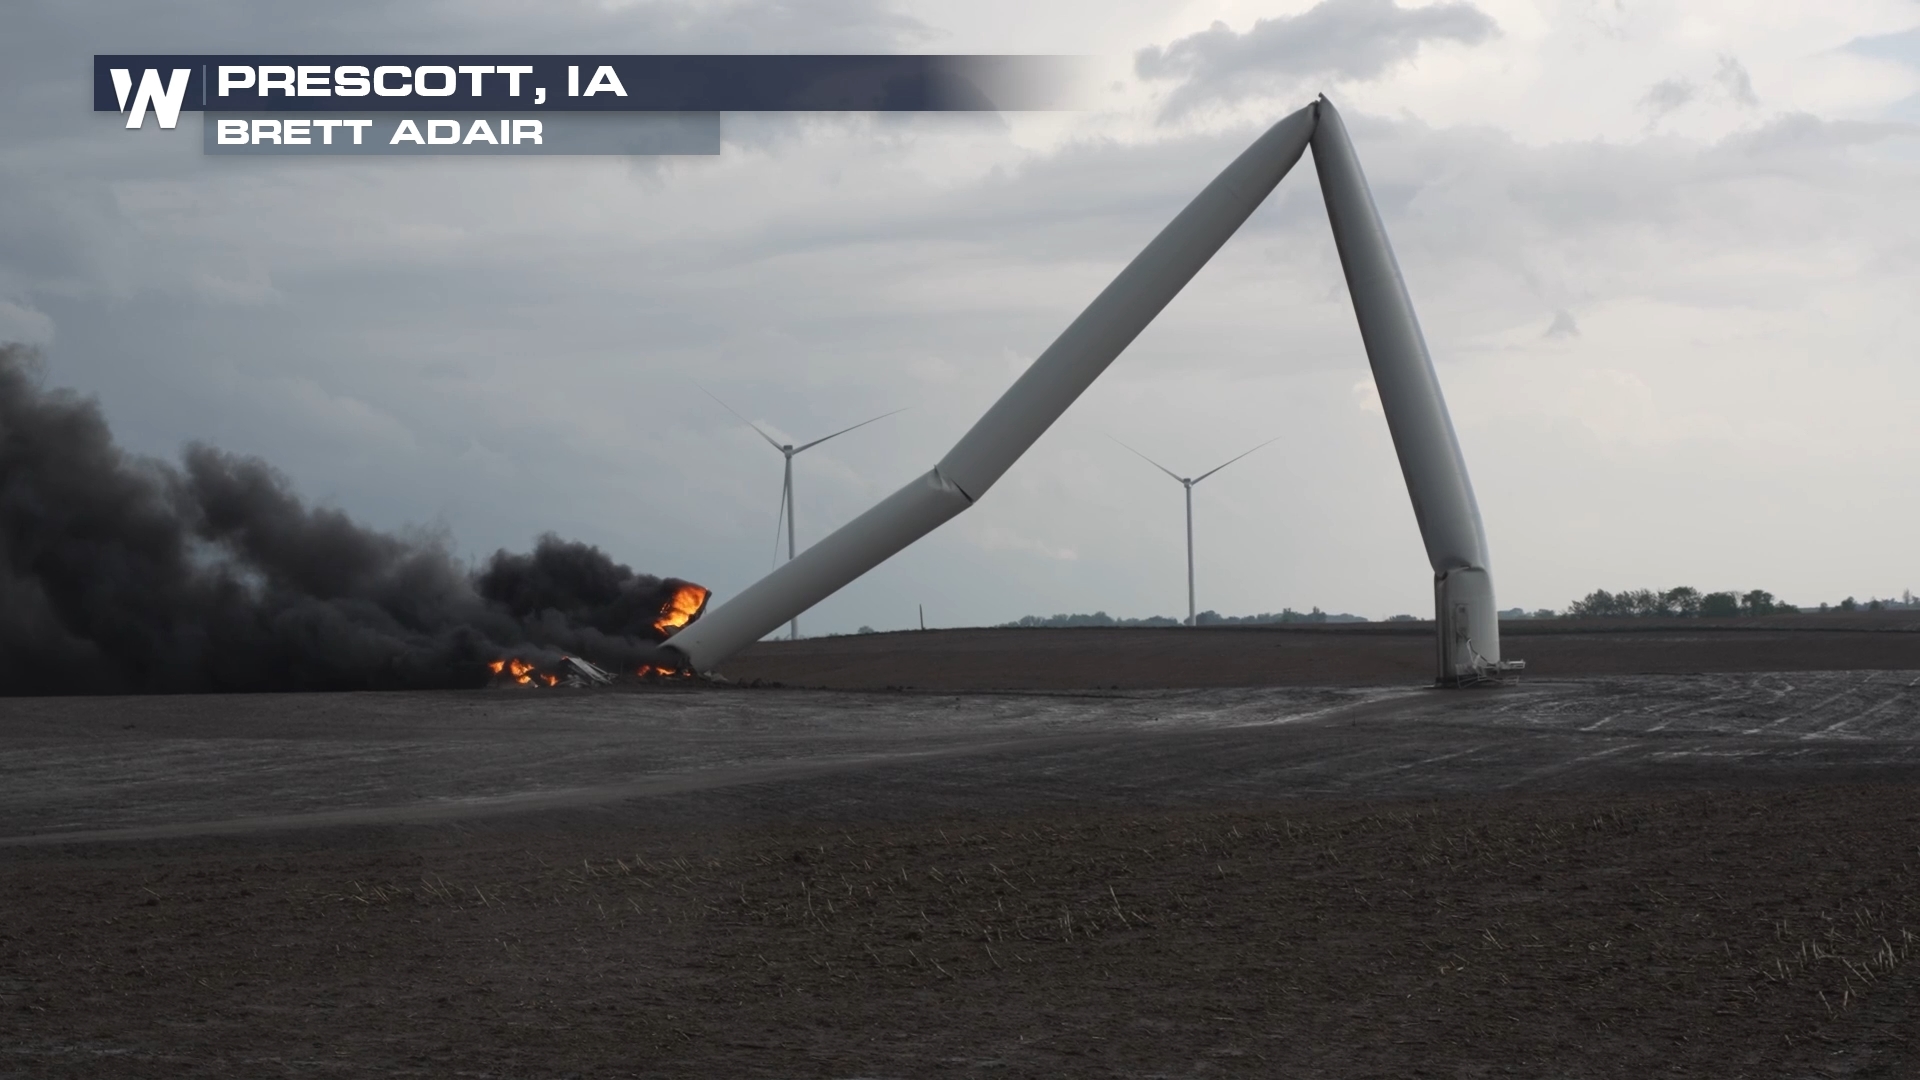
<point>1345,40</point>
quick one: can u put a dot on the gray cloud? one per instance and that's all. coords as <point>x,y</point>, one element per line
<point>1563,325</point>
<point>1791,134</point>
<point>1902,47</point>
<point>1669,94</point>
<point>1342,39</point>
<point>1733,78</point>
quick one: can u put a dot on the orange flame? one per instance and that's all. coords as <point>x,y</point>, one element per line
<point>521,671</point>
<point>685,606</point>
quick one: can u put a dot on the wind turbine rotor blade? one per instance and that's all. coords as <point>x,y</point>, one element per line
<point>843,431</point>
<point>779,522</point>
<point>1217,468</point>
<point>756,427</point>
<point>1150,461</point>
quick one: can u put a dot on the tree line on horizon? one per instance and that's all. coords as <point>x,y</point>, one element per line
<point>1204,618</point>
<point>1682,602</point>
<point>1686,602</point>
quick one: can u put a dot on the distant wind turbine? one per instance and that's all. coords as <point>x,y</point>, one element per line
<point>1189,483</point>
<point>788,450</point>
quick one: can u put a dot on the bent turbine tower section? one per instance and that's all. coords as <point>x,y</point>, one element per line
<point>1469,647</point>
<point>1014,422</point>
<point>1430,460</point>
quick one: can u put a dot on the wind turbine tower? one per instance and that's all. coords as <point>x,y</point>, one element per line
<point>1189,483</point>
<point>789,451</point>
<point>1466,620</point>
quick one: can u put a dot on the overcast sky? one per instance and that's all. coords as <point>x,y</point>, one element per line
<point>1666,255</point>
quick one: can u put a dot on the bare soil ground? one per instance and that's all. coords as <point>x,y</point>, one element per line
<point>1703,934</point>
<point>1610,875</point>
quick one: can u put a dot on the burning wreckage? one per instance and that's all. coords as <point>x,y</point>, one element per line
<point>573,672</point>
<point>121,574</point>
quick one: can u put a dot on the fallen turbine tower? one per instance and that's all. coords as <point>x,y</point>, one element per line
<point>1468,645</point>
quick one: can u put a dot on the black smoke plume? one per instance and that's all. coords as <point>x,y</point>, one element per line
<point>122,574</point>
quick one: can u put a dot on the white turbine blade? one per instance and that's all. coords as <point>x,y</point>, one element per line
<point>1217,468</point>
<point>1150,461</point>
<point>770,439</point>
<point>843,431</point>
<point>779,522</point>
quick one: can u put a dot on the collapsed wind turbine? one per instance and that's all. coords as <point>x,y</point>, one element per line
<point>788,450</point>
<point>1465,620</point>
<point>1189,483</point>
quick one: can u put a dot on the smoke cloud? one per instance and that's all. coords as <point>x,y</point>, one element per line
<point>122,574</point>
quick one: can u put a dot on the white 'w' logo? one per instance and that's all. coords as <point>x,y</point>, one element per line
<point>166,100</point>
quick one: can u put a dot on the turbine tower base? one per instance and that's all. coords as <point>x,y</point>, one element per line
<point>1468,630</point>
